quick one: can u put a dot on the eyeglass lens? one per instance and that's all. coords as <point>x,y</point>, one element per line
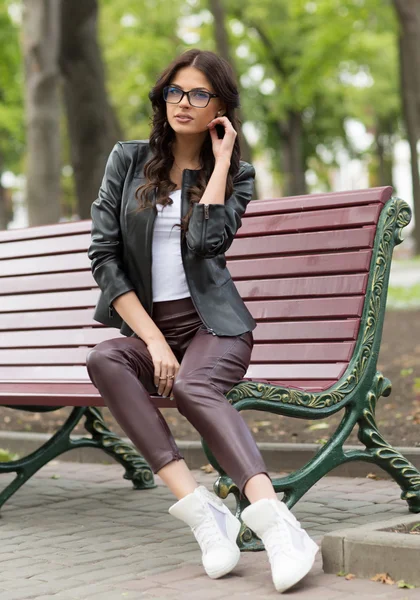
<point>198,98</point>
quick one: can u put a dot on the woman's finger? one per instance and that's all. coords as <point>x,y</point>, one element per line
<point>162,379</point>
<point>222,121</point>
<point>157,364</point>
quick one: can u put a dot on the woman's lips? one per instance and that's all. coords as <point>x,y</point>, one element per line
<point>183,119</point>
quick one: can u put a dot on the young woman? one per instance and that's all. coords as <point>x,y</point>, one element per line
<point>178,199</point>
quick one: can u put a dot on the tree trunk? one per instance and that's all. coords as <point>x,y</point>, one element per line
<point>408,12</point>
<point>293,160</point>
<point>222,46</point>
<point>384,151</point>
<point>40,50</point>
<point>3,211</point>
<point>92,124</point>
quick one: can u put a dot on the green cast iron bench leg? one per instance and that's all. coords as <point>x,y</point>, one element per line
<point>330,456</point>
<point>136,468</point>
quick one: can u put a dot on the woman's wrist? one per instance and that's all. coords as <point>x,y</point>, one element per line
<point>222,163</point>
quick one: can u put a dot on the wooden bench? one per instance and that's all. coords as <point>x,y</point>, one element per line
<point>313,271</point>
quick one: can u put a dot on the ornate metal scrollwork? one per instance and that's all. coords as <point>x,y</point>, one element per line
<point>137,469</point>
<point>388,457</point>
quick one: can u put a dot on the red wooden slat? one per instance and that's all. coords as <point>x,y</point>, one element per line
<point>316,220</point>
<point>346,262</point>
<point>45,264</point>
<point>85,394</point>
<point>41,388</point>
<point>28,399</point>
<point>261,353</point>
<point>293,287</point>
<point>44,356</point>
<point>53,282</point>
<point>268,309</point>
<point>315,201</point>
<point>55,245</point>
<point>59,393</point>
<point>312,370</point>
<point>314,352</point>
<point>350,306</point>
<point>327,285</point>
<point>45,231</point>
<point>50,301</point>
<point>48,320</point>
<point>44,372</point>
<point>307,330</point>
<point>324,241</point>
<point>282,331</point>
<point>56,337</point>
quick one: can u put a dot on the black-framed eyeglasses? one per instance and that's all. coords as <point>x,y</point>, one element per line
<point>197,98</point>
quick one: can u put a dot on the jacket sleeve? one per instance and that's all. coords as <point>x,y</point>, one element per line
<point>105,250</point>
<point>212,227</point>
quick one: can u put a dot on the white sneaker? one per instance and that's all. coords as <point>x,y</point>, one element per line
<point>290,550</point>
<point>214,527</point>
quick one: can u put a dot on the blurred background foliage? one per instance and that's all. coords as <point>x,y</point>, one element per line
<point>307,71</point>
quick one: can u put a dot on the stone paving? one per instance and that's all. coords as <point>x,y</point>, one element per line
<point>80,532</point>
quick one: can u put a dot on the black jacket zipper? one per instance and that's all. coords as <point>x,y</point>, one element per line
<point>209,329</point>
<point>204,232</point>
<point>151,254</point>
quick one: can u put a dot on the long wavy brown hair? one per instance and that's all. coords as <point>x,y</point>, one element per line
<point>157,170</point>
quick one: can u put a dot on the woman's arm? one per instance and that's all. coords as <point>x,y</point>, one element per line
<point>216,185</point>
<point>213,224</point>
<point>135,315</point>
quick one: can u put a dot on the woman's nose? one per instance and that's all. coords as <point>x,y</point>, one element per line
<point>184,102</point>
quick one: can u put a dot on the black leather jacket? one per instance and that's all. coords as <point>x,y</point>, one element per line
<point>121,245</point>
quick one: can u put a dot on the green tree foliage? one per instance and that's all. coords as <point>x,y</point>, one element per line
<point>11,93</point>
<point>138,39</point>
<point>326,60</point>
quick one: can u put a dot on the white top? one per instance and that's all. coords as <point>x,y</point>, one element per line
<point>168,275</point>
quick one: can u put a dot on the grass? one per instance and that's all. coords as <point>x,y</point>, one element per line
<point>407,262</point>
<point>403,297</point>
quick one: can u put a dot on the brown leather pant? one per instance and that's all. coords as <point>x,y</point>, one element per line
<point>122,370</point>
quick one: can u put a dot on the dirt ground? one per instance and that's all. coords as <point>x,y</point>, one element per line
<point>398,415</point>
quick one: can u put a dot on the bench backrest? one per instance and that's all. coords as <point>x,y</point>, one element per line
<point>301,264</point>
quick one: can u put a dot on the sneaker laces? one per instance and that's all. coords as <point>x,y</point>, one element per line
<point>277,539</point>
<point>211,496</point>
<point>208,533</point>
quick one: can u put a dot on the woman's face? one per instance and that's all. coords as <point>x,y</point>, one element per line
<point>189,78</point>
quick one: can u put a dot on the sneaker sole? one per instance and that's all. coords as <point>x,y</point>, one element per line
<point>226,569</point>
<point>308,566</point>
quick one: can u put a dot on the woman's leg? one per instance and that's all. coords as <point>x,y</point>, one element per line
<point>122,370</point>
<point>258,487</point>
<point>178,478</point>
<point>210,367</point>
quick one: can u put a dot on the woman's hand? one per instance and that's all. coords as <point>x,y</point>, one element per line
<point>222,148</point>
<point>165,363</point>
